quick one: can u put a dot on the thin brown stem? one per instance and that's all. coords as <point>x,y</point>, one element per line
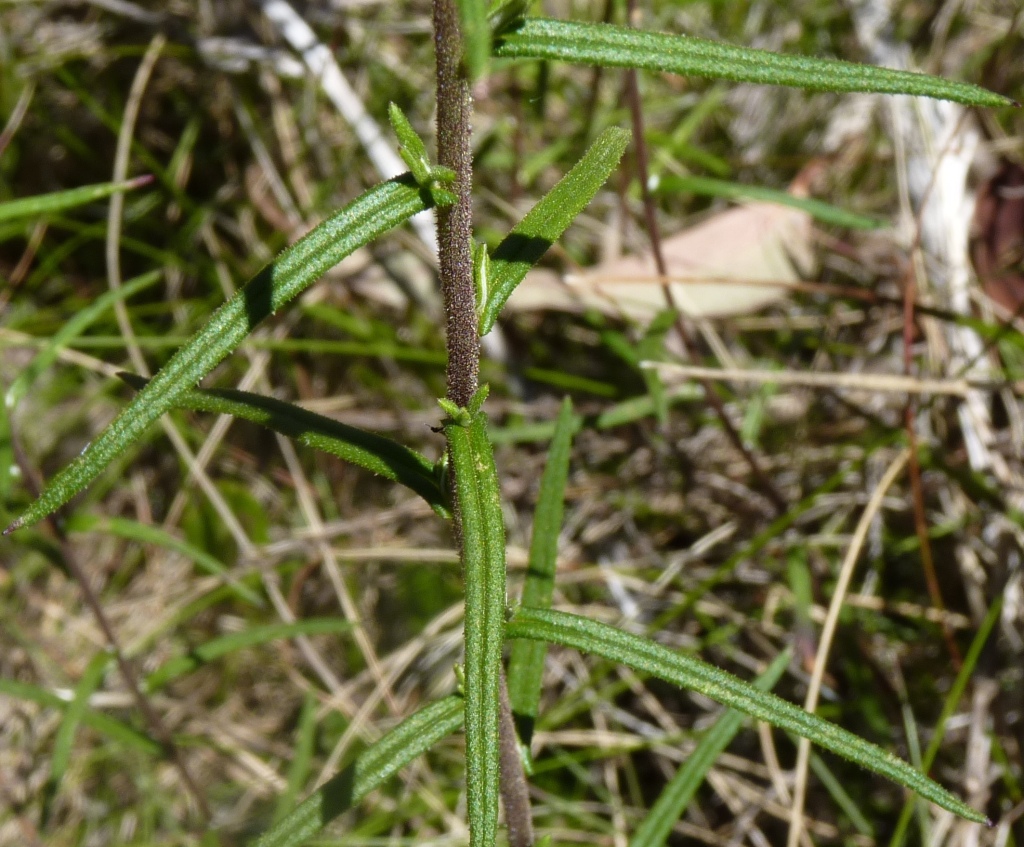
<point>916,487</point>
<point>767,487</point>
<point>515,793</point>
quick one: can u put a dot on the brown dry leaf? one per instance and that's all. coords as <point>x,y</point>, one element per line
<point>997,243</point>
<point>733,263</point>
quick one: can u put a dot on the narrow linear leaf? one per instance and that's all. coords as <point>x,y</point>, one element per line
<point>155,535</point>
<point>476,37</point>
<point>950,705</point>
<point>70,330</point>
<point>73,716</point>
<point>655,828</point>
<point>624,47</point>
<point>482,530</point>
<point>505,13</point>
<point>111,727</point>
<point>824,212</point>
<point>647,656</point>
<point>526,664</point>
<point>413,736</point>
<point>8,463</point>
<point>219,647</point>
<point>412,148</point>
<point>373,213</point>
<point>59,201</point>
<point>841,797</point>
<point>544,223</point>
<point>376,453</point>
<point>302,759</point>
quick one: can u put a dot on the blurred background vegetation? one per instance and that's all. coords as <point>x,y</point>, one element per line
<point>196,545</point>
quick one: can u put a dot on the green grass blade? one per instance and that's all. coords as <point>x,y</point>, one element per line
<point>375,212</point>
<point>415,735</point>
<point>219,647</point>
<point>145,534</point>
<point>59,201</point>
<point>824,212</point>
<point>376,453</point>
<point>73,715</point>
<point>644,655</point>
<point>526,664</point>
<point>624,47</point>
<point>302,759</point>
<point>831,783</point>
<point>482,528</point>
<point>544,224</point>
<point>111,727</point>
<point>952,701</point>
<point>656,826</point>
<point>74,327</point>
<point>476,37</point>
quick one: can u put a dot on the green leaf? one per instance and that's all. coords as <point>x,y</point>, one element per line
<point>824,212</point>
<point>73,715</point>
<point>482,529</point>
<point>841,797</point>
<point>411,146</point>
<point>414,152</point>
<point>526,665</point>
<point>59,201</point>
<point>481,274</point>
<point>624,47</point>
<point>302,758</point>
<point>656,826</point>
<point>146,534</point>
<point>646,656</point>
<point>951,703</point>
<point>216,648</point>
<point>545,222</point>
<point>74,327</point>
<point>413,736</point>
<point>376,453</point>
<point>504,14</point>
<point>375,212</point>
<point>476,37</point>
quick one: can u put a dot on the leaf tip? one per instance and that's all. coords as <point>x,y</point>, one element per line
<point>18,524</point>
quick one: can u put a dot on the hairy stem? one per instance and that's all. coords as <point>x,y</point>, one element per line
<point>455,260</point>
<point>454,223</point>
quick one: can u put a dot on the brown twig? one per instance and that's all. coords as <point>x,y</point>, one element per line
<point>914,469</point>
<point>768,488</point>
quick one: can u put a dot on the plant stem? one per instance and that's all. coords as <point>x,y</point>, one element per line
<point>455,260</point>
<point>454,223</point>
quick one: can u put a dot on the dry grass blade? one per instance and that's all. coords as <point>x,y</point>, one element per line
<point>866,382</point>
